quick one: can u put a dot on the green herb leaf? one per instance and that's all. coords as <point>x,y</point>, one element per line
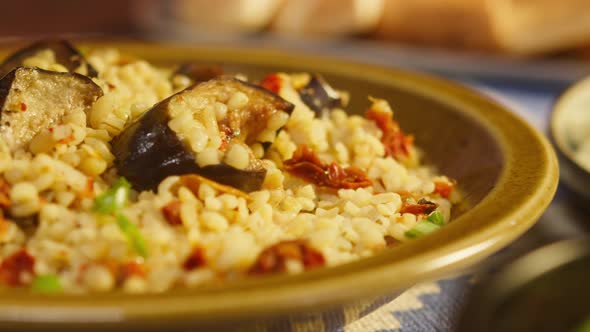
<point>133,234</point>
<point>421,229</point>
<point>436,218</point>
<point>114,198</point>
<point>47,283</point>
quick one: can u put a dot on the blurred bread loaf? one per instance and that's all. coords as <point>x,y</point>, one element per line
<point>537,26</point>
<point>227,15</point>
<point>519,27</point>
<point>327,17</point>
<point>443,23</point>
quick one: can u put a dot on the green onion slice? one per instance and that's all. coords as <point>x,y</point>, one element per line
<point>114,198</point>
<point>436,218</point>
<point>47,283</point>
<point>421,229</point>
<point>133,234</point>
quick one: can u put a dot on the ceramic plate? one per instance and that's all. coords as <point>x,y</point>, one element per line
<point>506,170</point>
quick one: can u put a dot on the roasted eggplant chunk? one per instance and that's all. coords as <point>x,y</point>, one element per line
<point>65,54</point>
<point>244,180</point>
<point>198,72</point>
<point>205,129</point>
<point>33,100</point>
<point>319,95</point>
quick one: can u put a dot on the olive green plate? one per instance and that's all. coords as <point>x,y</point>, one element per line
<point>506,170</point>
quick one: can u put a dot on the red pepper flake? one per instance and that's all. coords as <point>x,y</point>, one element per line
<point>195,260</point>
<point>67,140</point>
<point>111,86</point>
<point>13,267</point>
<point>307,165</point>
<point>397,145</point>
<point>226,135</point>
<point>23,107</point>
<point>4,194</point>
<point>81,270</point>
<point>444,188</point>
<point>171,212</point>
<point>224,142</point>
<point>88,191</point>
<point>390,241</point>
<point>3,224</point>
<point>50,129</point>
<point>274,258</point>
<point>132,269</point>
<point>421,207</point>
<point>271,82</point>
<point>90,186</point>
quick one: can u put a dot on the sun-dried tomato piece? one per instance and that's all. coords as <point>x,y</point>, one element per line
<point>195,260</point>
<point>14,266</point>
<point>395,142</point>
<point>307,165</point>
<point>274,258</point>
<point>444,188</point>
<point>271,82</point>
<point>4,194</point>
<point>423,206</point>
<point>171,212</point>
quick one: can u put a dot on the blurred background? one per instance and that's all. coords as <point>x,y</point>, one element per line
<point>440,35</point>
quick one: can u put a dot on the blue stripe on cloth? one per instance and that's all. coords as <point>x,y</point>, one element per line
<point>439,310</point>
<point>376,304</point>
<point>336,321</point>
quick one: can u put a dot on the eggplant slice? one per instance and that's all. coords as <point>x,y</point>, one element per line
<point>34,99</point>
<point>65,54</point>
<point>199,72</point>
<point>149,150</point>
<point>319,95</point>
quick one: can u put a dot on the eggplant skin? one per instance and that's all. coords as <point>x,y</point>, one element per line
<point>199,72</point>
<point>33,99</point>
<point>253,120</point>
<point>319,95</point>
<point>244,180</point>
<point>65,54</point>
<point>148,151</point>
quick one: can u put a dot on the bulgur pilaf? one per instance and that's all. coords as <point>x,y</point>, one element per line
<point>117,174</point>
